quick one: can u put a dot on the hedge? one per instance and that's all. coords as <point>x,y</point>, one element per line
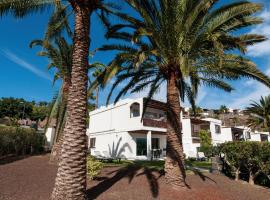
<point>248,160</point>
<point>20,141</point>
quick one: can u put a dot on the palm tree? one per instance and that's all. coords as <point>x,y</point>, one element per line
<point>183,43</point>
<point>223,109</point>
<point>97,70</point>
<point>71,175</point>
<point>60,57</point>
<point>59,54</point>
<point>260,113</point>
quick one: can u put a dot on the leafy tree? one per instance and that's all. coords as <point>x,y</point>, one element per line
<point>233,156</point>
<point>252,157</point>
<point>16,108</point>
<point>71,176</point>
<point>205,143</point>
<point>183,44</point>
<point>264,158</point>
<point>260,113</point>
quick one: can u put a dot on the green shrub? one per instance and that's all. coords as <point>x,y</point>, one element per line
<point>94,167</point>
<point>251,159</point>
<point>20,141</point>
<point>205,142</point>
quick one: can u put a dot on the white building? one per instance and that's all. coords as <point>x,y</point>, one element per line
<point>119,130</point>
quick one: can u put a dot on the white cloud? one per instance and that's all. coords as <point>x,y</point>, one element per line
<point>258,91</point>
<point>24,64</point>
<point>263,48</point>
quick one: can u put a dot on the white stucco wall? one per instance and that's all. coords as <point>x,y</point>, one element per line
<point>255,137</point>
<point>117,118</point>
<point>49,136</point>
<point>122,143</point>
<point>190,149</point>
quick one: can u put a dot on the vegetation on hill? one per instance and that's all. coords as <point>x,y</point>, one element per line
<point>20,141</point>
<point>18,108</point>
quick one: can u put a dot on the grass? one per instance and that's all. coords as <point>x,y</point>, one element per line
<point>200,164</point>
<point>156,164</point>
<point>116,163</point>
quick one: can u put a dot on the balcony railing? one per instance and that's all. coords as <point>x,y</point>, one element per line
<point>154,123</point>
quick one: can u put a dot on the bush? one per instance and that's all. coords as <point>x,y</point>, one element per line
<point>205,142</point>
<point>20,141</point>
<point>249,159</point>
<point>94,167</point>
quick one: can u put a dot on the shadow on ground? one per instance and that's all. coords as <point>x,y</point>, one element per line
<point>129,172</point>
<point>106,181</point>
<point>12,158</point>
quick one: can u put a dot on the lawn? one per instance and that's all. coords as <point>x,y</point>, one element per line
<point>156,164</point>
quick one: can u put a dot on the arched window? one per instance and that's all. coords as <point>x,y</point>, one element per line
<point>135,110</point>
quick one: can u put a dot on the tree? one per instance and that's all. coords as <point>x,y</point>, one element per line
<point>184,44</point>
<point>233,156</point>
<point>251,157</point>
<point>260,113</point>
<point>59,54</point>
<point>205,143</point>
<point>71,175</point>
<point>197,111</point>
<point>223,109</point>
<point>16,108</point>
<point>39,113</point>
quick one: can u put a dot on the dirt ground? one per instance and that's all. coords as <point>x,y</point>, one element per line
<point>32,178</point>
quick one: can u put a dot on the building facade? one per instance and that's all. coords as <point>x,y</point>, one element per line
<point>119,130</point>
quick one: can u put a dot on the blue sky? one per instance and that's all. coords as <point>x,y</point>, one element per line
<point>24,74</point>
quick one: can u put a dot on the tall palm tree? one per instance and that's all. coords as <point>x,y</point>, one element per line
<point>184,39</point>
<point>260,113</point>
<point>59,55</point>
<point>71,176</point>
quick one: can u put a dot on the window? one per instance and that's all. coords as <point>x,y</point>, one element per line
<point>141,144</point>
<point>248,135</point>
<point>135,110</point>
<point>92,142</point>
<point>217,128</point>
<point>194,130</point>
<point>264,138</point>
<point>155,143</point>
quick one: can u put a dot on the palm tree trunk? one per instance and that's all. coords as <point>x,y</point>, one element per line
<point>174,165</point>
<point>58,137</point>
<point>70,183</point>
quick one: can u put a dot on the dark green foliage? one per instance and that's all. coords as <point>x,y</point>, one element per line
<point>223,109</point>
<point>205,141</point>
<point>20,141</point>
<point>40,112</point>
<point>15,108</point>
<point>18,108</point>
<point>251,159</point>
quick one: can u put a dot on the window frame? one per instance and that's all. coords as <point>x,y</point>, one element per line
<point>93,143</point>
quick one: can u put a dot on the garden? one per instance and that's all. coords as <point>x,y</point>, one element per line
<point>17,142</point>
